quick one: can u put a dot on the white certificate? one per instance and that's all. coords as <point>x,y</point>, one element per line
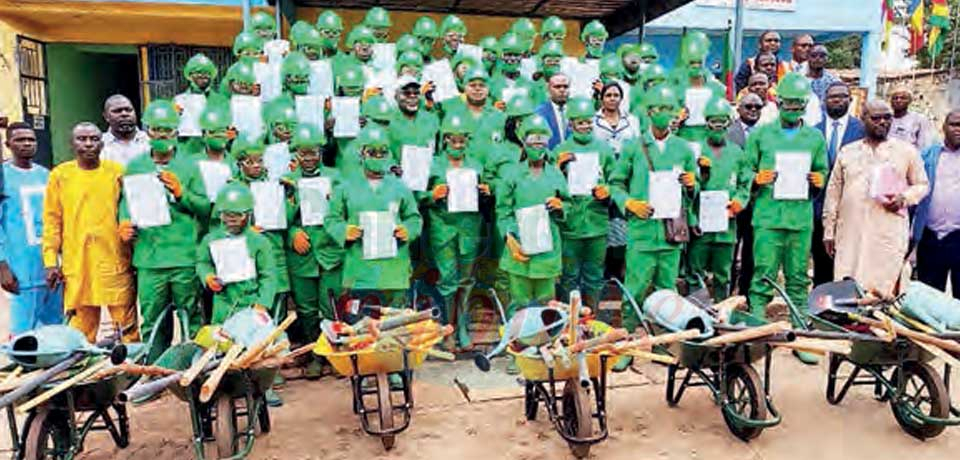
<point>528,67</point>
<point>346,112</point>
<point>463,194</point>
<point>246,113</point>
<point>440,73</point>
<point>310,110</point>
<point>583,173</point>
<point>473,51</point>
<point>215,175</point>
<point>269,210</point>
<point>321,78</point>
<point>232,260</point>
<point>314,204</point>
<point>510,92</point>
<point>146,200</point>
<point>792,169</point>
<point>625,101</point>
<point>415,162</point>
<point>713,211</point>
<point>378,239</point>
<point>582,75</point>
<point>276,50</point>
<point>384,56</point>
<point>191,106</point>
<point>534,224</point>
<point>268,76</point>
<point>665,194</point>
<point>696,101</point>
<point>386,80</point>
<point>276,158</point>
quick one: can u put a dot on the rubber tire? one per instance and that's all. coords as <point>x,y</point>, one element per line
<point>939,401</point>
<point>530,402</point>
<point>748,377</point>
<point>386,410</point>
<point>225,427</point>
<point>42,426</point>
<point>575,406</point>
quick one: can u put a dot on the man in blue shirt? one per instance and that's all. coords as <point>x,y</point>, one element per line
<point>21,225</point>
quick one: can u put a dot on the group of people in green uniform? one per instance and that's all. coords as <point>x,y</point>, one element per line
<point>299,211</point>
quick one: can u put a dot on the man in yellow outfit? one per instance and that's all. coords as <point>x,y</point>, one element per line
<point>81,247</point>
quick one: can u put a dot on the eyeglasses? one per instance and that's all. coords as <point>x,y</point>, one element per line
<point>818,55</point>
<point>881,117</point>
<point>804,45</point>
<point>752,106</point>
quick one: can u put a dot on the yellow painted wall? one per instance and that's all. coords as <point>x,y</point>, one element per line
<point>10,103</point>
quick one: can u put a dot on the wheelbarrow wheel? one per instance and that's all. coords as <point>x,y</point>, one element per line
<point>48,436</point>
<point>386,410</point>
<point>577,420</point>
<point>744,391</point>
<point>225,427</point>
<point>530,401</point>
<point>925,391</point>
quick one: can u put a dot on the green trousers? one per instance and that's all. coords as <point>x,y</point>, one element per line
<point>658,268</point>
<point>524,291</point>
<point>396,298</point>
<point>456,274</point>
<point>583,263</point>
<point>711,257</point>
<point>311,295</point>
<point>773,249</point>
<point>159,287</point>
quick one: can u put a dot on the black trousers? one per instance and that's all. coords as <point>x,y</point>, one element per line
<point>822,262</point>
<point>743,262</point>
<point>939,258</point>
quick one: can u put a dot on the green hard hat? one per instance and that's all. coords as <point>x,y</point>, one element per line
<point>654,72</point>
<point>520,106</point>
<point>627,49</point>
<point>298,29</point>
<point>350,77</point>
<point>718,107</point>
<point>411,59</point>
<point>361,33</point>
<point>793,86</point>
<point>329,20</point>
<point>698,36</point>
<point>461,58</point>
<point>161,113</point>
<point>407,42</point>
<point>610,64</point>
<point>488,43</point>
<point>660,95</point>
<point>200,63</point>
<point>647,50</point>
<point>553,26</point>
<point>535,124</point>
<point>261,20</point>
<point>476,72</point>
<point>234,197</point>
<point>524,28</point>
<point>373,135</point>
<point>246,41</point>
<point>307,135</point>
<point>552,48</point>
<point>425,27</point>
<point>454,124</point>
<point>241,72</point>
<point>280,110</point>
<point>376,108</point>
<point>295,64</point>
<point>594,29</point>
<point>246,144</point>
<point>216,115</point>
<point>580,107</point>
<point>510,42</point>
<point>377,17</point>
<point>693,49</point>
<point>453,23</point>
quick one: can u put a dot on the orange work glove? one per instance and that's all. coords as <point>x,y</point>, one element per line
<point>734,208</point>
<point>765,177</point>
<point>440,192</point>
<point>484,189</point>
<point>370,92</point>
<point>301,242</point>
<point>515,251</point>
<point>597,86</point>
<point>815,179</point>
<point>563,158</point>
<point>427,88</point>
<point>639,208</point>
<point>704,162</point>
<point>172,182</point>
<point>178,108</point>
<point>126,231</point>
<point>601,192</point>
<point>213,283</point>
<point>401,233</point>
<point>554,204</point>
<point>256,228</point>
<point>293,165</point>
<point>688,179</point>
<point>500,105</point>
<point>260,308</point>
<point>354,232</point>
<point>232,133</point>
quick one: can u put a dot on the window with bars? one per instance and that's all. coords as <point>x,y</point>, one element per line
<point>165,67</point>
<point>33,76</point>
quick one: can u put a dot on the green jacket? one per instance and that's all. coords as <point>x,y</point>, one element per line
<point>260,290</point>
<point>729,171</point>
<point>421,131</point>
<point>446,226</point>
<point>630,180</point>
<point>275,237</point>
<point>171,245</point>
<point>324,251</point>
<point>521,189</point>
<point>356,195</point>
<point>761,148</point>
<point>535,90</point>
<point>486,128</point>
<point>587,217</point>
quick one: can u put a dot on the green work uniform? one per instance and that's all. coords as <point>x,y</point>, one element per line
<point>713,252</point>
<point>164,256</point>
<point>316,275</point>
<point>650,258</point>
<point>585,230</point>
<point>420,131</point>
<point>534,280</point>
<point>782,228</point>
<point>260,290</point>
<point>536,91</point>
<point>486,127</point>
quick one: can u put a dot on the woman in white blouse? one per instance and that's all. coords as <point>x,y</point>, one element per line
<point>612,123</point>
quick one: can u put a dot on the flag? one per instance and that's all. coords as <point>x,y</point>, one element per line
<point>888,17</point>
<point>728,65</point>
<point>915,12</point>
<point>939,22</point>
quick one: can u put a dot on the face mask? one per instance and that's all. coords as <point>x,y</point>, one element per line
<point>791,116</point>
<point>448,50</point>
<point>693,72</point>
<point>456,154</point>
<point>215,143</point>
<point>299,88</point>
<point>509,67</point>
<point>328,43</point>
<point>717,137</point>
<point>583,138</point>
<point>661,120</point>
<point>535,153</point>
<point>375,165</point>
<point>163,145</point>
<point>549,71</point>
<point>594,51</point>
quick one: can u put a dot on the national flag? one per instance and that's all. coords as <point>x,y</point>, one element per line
<point>888,17</point>
<point>915,12</point>
<point>728,65</point>
<point>939,22</point>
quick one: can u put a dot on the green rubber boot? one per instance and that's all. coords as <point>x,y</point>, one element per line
<point>623,364</point>
<point>463,326</point>
<point>809,359</point>
<point>396,383</point>
<point>273,399</point>
<point>512,368</point>
<point>314,370</point>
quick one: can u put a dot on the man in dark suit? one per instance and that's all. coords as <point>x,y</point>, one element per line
<point>558,90</point>
<point>839,128</point>
<point>748,111</point>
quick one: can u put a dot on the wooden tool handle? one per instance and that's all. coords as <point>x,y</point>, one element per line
<point>749,334</point>
<point>610,337</point>
<point>254,352</point>
<point>439,354</point>
<point>651,341</point>
<point>46,395</point>
<point>197,367</point>
<point>947,345</point>
<point>213,381</point>
<point>650,356</point>
<point>12,375</point>
<point>817,346</point>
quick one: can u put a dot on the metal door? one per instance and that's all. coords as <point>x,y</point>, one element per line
<point>32,60</point>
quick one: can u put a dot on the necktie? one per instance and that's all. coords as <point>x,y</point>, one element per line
<point>832,146</point>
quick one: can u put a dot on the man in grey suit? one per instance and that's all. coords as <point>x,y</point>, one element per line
<point>748,111</point>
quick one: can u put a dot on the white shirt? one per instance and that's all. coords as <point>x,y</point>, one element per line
<point>122,151</point>
<point>841,129</point>
<point>561,120</point>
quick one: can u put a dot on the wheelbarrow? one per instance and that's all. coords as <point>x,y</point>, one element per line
<point>726,370</point>
<point>898,369</point>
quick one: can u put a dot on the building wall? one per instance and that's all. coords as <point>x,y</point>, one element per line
<point>10,104</point>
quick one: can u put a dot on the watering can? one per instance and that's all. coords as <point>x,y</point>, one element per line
<point>675,313</point>
<point>530,327</point>
<point>249,326</point>
<point>932,306</point>
<point>46,346</point>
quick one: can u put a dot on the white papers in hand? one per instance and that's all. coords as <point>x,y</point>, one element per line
<point>276,158</point>
<point>215,175</point>
<point>697,149</point>
<point>415,162</point>
<point>232,260</point>
<point>321,79</point>
<point>146,200</point>
<point>528,67</point>
<point>696,102</point>
<point>441,74</point>
<point>191,106</point>
<point>792,169</point>
<point>384,56</point>
<point>463,195</point>
<point>473,51</point>
<point>276,50</point>
<point>583,173</point>
<point>510,92</point>
<point>246,114</point>
<point>346,112</point>
<point>582,75</point>
<point>713,211</point>
<point>534,224</point>
<point>269,210</point>
<point>665,194</point>
<point>268,76</point>
<point>378,239</point>
<point>313,193</point>
<point>310,110</point>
